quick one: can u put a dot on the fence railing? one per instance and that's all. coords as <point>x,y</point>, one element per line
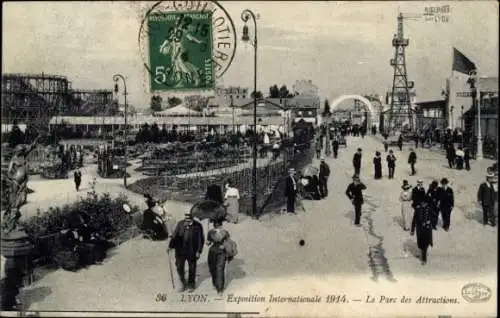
<point>191,187</point>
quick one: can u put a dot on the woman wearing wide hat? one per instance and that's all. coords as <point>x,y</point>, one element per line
<point>217,255</point>
<point>406,209</point>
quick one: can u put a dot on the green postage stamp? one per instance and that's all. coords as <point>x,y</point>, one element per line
<point>180,51</point>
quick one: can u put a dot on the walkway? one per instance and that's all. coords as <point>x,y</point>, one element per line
<point>337,258</point>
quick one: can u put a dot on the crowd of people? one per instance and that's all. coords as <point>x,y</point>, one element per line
<point>421,208</point>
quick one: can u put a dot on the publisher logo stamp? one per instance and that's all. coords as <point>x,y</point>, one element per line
<point>476,293</point>
<point>437,14</point>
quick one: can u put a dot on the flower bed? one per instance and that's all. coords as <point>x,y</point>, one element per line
<point>192,189</point>
<point>173,161</point>
<point>106,217</point>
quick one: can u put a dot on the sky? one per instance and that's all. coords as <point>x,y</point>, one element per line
<point>343,47</point>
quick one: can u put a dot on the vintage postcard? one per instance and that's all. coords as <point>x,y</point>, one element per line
<point>249,159</point>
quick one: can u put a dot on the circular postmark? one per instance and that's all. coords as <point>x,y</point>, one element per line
<point>186,45</point>
<point>476,293</point>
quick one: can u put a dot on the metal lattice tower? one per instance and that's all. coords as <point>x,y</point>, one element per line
<point>400,110</point>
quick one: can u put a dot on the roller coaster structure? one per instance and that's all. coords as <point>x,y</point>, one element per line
<point>36,98</point>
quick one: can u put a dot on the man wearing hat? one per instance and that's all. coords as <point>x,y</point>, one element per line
<point>318,147</point>
<point>486,197</point>
<point>335,146</point>
<point>291,191</point>
<point>187,240</point>
<point>412,160</point>
<point>418,194</point>
<point>356,161</point>
<point>446,201</point>
<point>324,173</point>
<point>355,193</point>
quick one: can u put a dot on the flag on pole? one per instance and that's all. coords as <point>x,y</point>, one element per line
<point>461,63</point>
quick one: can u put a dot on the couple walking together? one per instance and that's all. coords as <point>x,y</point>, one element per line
<point>188,241</point>
<point>426,209</point>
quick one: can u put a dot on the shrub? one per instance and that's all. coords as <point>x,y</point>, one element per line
<point>104,214</point>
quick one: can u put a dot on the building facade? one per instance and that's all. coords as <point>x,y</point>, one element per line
<point>305,88</point>
<point>234,92</point>
<point>430,115</point>
<point>459,96</point>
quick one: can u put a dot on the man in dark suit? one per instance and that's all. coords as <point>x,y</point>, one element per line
<point>356,161</point>
<point>291,191</point>
<point>412,160</point>
<point>324,173</point>
<point>335,146</point>
<point>446,202</point>
<point>486,197</point>
<point>77,176</point>
<point>187,240</point>
<point>418,194</point>
<point>355,194</point>
<point>391,163</point>
<point>319,144</point>
<point>400,142</point>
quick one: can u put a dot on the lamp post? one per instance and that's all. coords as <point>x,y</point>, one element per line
<point>327,137</point>
<point>232,110</point>
<point>462,118</point>
<point>452,119</point>
<point>189,121</point>
<point>474,86</point>
<point>116,78</point>
<point>245,16</point>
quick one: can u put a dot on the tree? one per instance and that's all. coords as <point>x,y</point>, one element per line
<point>155,133</point>
<point>156,102</point>
<point>283,92</point>
<point>326,110</point>
<point>257,95</point>
<point>16,136</point>
<point>173,101</point>
<point>274,91</point>
<point>144,135</point>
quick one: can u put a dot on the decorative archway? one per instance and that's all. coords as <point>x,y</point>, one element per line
<point>372,118</point>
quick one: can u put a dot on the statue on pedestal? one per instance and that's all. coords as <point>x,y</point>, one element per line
<point>16,246</point>
<point>17,184</point>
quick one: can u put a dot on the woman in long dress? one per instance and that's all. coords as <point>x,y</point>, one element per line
<point>377,163</point>
<point>231,201</point>
<point>406,209</point>
<point>217,255</point>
